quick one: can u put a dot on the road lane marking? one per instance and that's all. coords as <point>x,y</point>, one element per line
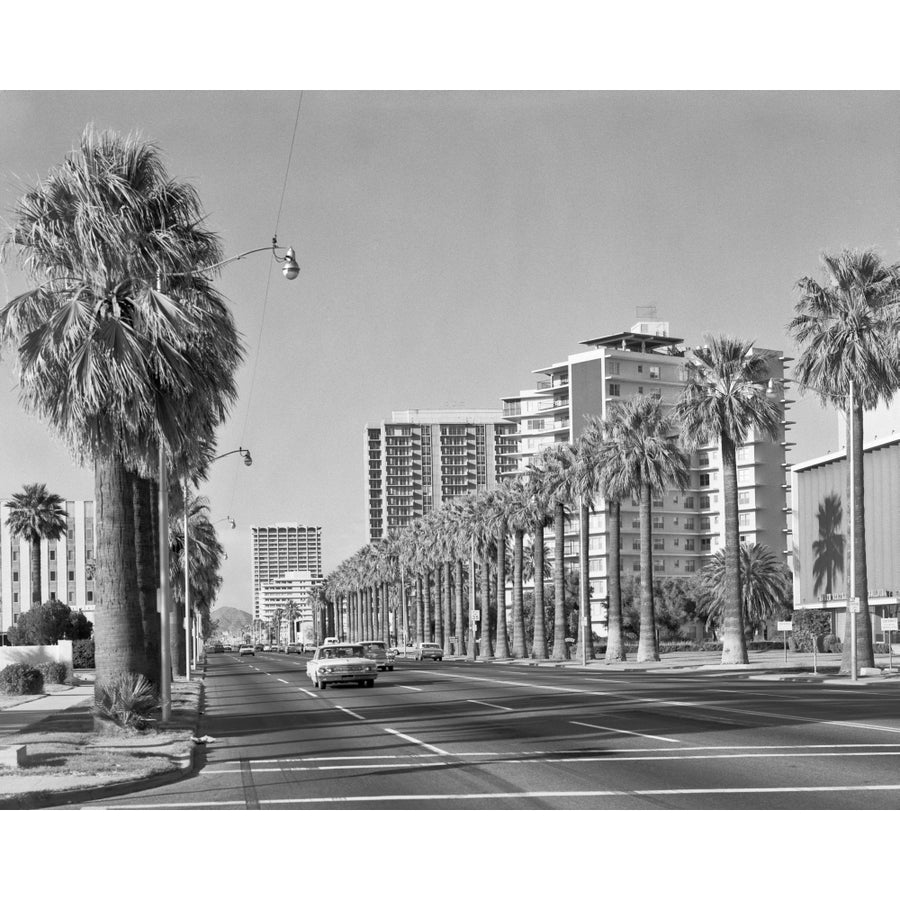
<point>308,693</point>
<point>408,687</point>
<point>493,705</point>
<point>653,737</point>
<point>283,681</point>
<point>349,712</point>
<point>413,740</point>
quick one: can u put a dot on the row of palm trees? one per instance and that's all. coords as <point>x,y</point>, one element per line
<point>121,346</point>
<point>639,451</point>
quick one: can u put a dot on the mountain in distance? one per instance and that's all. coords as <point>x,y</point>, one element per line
<point>230,620</point>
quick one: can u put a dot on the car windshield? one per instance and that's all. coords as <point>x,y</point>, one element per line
<point>374,645</point>
<point>340,652</point>
<point>430,646</point>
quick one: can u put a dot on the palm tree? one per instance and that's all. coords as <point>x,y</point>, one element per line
<point>35,514</point>
<point>645,460</point>
<point>725,398</point>
<point>847,332</point>
<point>114,365</point>
<point>496,513</point>
<point>519,507</point>
<point>539,496</point>
<point>558,464</point>
<point>764,585</point>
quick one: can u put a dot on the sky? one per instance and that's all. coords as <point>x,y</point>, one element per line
<point>452,242</point>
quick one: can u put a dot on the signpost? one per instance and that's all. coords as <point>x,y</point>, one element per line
<point>852,610</point>
<point>785,627</point>
<point>888,626</point>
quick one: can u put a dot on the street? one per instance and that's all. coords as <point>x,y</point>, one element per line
<point>457,735</point>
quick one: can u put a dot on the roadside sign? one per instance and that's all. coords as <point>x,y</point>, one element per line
<point>476,615</point>
<point>889,625</point>
<point>853,605</point>
<point>785,626</point>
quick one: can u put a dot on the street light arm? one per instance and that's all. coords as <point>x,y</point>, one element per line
<point>290,268</point>
<point>248,460</point>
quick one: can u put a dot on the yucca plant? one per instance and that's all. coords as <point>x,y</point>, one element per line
<point>125,700</point>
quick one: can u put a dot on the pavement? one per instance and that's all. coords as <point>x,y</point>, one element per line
<point>70,711</point>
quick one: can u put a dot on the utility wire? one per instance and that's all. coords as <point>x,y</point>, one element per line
<point>262,322</point>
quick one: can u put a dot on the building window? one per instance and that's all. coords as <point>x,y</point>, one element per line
<point>659,565</point>
<point>72,571</point>
<point>635,523</point>
<point>744,520</point>
<point>689,565</point>
<point>613,390</point>
<point>688,502</point>
<point>704,479</point>
<point>704,523</point>
<point>53,574</point>
<point>635,544</point>
<point>704,544</point>
<point>743,498</point>
<point>675,521</point>
<point>53,552</point>
<point>659,543</point>
<point>15,576</point>
<point>654,373</point>
<point>688,524</point>
<point>689,544</point>
<point>659,522</point>
<point>636,567</point>
<point>676,542</point>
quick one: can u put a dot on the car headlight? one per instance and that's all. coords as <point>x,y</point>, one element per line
<point>325,670</point>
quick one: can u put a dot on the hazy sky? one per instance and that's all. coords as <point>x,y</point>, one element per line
<point>450,243</point>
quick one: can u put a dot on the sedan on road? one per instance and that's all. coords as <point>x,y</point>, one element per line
<point>337,663</point>
<point>429,651</point>
<point>377,652</point>
<point>246,650</point>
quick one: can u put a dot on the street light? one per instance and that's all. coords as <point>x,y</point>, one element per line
<point>290,270</point>
<point>248,460</point>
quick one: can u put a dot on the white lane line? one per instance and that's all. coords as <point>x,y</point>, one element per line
<point>395,765</point>
<point>308,693</point>
<point>349,712</point>
<point>283,681</point>
<point>413,740</point>
<point>526,795</point>
<point>492,705</point>
<point>408,687</point>
<point>653,737</point>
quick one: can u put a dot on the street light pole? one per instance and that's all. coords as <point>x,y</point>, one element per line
<point>187,588</point>
<point>851,603</point>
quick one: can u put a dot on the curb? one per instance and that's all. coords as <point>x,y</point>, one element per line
<point>48,799</point>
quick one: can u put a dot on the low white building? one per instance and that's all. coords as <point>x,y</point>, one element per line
<point>277,593</point>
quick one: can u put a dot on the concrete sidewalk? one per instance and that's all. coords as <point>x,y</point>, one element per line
<point>31,711</point>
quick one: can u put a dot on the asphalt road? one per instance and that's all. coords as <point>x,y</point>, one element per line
<point>457,735</point>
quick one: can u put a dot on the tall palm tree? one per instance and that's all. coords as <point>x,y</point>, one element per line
<point>724,400</point>
<point>539,503</point>
<point>558,463</point>
<point>496,513</point>
<point>114,365</point>
<point>36,514</point>
<point>646,459</point>
<point>847,331</point>
<point>764,585</point>
<point>520,512</point>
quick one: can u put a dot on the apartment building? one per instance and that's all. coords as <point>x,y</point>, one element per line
<point>296,587</point>
<point>424,457</point>
<point>688,526</point>
<point>66,566</point>
<point>281,548</point>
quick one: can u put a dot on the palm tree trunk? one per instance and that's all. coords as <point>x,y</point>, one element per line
<point>486,648</point>
<point>519,648</point>
<point>438,606</point>
<point>559,584</point>
<point>734,644</point>
<point>585,633</point>
<point>404,613</point>
<point>458,596</point>
<point>864,649</point>
<point>648,650</point>
<point>447,611</point>
<point>539,645</point>
<point>35,573</point>
<point>117,616</point>
<point>176,636</point>
<point>427,620</point>
<point>501,648</point>
<point>615,646</point>
<point>420,610</point>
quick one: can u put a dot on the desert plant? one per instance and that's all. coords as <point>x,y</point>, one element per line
<point>53,672</point>
<point>832,644</point>
<point>125,700</point>
<point>20,678</point>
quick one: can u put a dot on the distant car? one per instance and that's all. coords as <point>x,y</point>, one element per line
<point>392,653</point>
<point>337,663</point>
<point>377,652</point>
<point>293,648</point>
<point>330,640</point>
<point>229,648</point>
<point>427,650</point>
<point>246,650</point>
<point>217,648</point>
<point>257,646</point>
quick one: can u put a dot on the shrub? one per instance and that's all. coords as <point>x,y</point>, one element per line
<point>20,678</point>
<point>83,654</point>
<point>712,645</point>
<point>125,700</point>
<point>53,672</point>
<point>832,644</point>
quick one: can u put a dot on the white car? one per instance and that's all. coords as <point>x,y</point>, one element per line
<point>378,653</point>
<point>429,650</point>
<point>246,650</point>
<point>338,663</point>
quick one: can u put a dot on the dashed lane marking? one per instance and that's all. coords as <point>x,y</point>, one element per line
<point>413,740</point>
<point>349,712</point>
<point>492,705</point>
<point>408,687</point>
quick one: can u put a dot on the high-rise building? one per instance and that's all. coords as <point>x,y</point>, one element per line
<point>424,457</point>
<point>296,587</point>
<point>281,548</point>
<point>688,526</point>
<point>66,566</point>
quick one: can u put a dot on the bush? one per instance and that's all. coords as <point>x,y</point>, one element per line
<point>83,654</point>
<point>832,644</point>
<point>53,672</point>
<point>711,645</point>
<point>20,678</point>
<point>126,700</point>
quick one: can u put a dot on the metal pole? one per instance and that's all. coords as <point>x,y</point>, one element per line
<point>187,589</point>
<point>583,524</point>
<point>165,657</point>
<point>850,460</point>
<point>473,649</point>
